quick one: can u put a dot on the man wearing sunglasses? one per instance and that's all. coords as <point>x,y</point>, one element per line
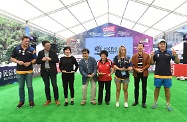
<point>24,56</point>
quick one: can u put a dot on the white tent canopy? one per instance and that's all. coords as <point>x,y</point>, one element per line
<point>66,18</point>
<point>179,46</point>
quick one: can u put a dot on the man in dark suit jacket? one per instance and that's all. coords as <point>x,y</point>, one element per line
<point>48,59</point>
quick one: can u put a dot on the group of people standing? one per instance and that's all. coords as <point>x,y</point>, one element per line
<point>93,71</point>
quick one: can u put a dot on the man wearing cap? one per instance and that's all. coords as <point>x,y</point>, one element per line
<point>162,76</point>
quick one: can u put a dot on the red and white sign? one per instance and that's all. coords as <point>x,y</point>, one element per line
<point>75,40</point>
<point>109,31</point>
<point>109,28</point>
<point>180,70</point>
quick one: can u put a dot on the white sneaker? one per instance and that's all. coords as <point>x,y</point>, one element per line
<point>117,104</point>
<point>126,105</point>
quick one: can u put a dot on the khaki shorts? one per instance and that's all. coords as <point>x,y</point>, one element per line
<point>126,81</point>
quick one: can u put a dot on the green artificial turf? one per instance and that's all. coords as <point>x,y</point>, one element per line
<point>92,113</point>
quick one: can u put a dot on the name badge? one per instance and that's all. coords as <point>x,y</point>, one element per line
<point>123,73</point>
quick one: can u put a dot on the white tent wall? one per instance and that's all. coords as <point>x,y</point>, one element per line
<point>179,49</point>
<point>178,46</point>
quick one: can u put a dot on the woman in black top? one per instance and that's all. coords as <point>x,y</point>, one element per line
<point>122,65</point>
<point>66,66</point>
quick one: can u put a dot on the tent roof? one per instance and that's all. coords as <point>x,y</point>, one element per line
<point>70,17</point>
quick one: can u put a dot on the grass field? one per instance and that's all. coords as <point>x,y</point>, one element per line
<point>93,113</point>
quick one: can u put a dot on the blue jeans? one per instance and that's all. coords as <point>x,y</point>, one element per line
<point>21,81</point>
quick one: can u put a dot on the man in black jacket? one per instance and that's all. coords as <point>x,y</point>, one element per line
<point>48,59</point>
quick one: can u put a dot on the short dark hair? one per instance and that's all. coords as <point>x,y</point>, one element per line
<point>67,47</point>
<point>44,42</point>
<point>104,52</point>
<point>85,50</point>
<point>25,37</point>
<point>141,44</point>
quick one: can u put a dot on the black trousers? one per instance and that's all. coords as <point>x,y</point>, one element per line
<point>46,78</point>
<point>68,79</point>
<point>107,85</point>
<point>144,87</point>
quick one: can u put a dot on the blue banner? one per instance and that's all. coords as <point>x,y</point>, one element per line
<point>7,75</point>
<point>27,31</point>
<point>95,45</point>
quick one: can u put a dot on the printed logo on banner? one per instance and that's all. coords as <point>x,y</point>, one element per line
<point>8,74</point>
<point>97,49</point>
<point>123,33</point>
<point>36,70</point>
<point>75,40</point>
<point>94,34</point>
<point>109,31</point>
<point>111,50</point>
<point>144,40</point>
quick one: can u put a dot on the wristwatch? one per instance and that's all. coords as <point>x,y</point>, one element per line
<point>176,55</point>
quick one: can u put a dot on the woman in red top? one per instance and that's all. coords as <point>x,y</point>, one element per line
<point>104,70</point>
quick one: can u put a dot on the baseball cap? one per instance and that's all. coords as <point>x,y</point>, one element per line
<point>161,40</point>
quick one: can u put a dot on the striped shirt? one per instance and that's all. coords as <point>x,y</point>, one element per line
<point>140,61</point>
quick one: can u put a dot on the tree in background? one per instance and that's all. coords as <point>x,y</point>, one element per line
<point>9,50</point>
<point>43,36</point>
<point>1,53</point>
<point>10,32</point>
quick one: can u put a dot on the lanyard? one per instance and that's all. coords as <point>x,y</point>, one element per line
<point>86,61</point>
<point>122,60</point>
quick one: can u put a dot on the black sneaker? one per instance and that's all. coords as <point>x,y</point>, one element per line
<point>107,103</point>
<point>31,104</point>
<point>66,103</point>
<point>20,104</point>
<point>72,102</point>
<point>99,103</point>
<point>134,103</point>
<point>144,105</point>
